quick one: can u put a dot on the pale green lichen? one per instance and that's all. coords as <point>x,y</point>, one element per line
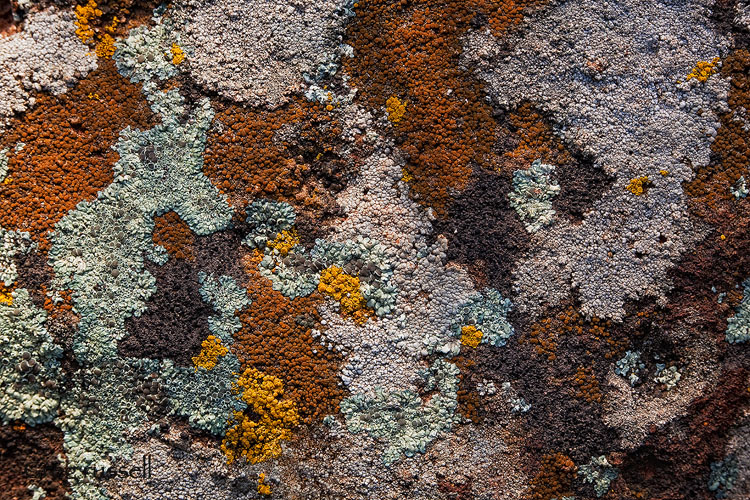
<point>630,367</point>
<point>599,473</point>
<point>533,190</point>
<point>266,220</point>
<point>226,297</point>
<point>667,376</point>
<point>98,249</point>
<point>401,419</point>
<point>29,363</point>
<point>739,189</point>
<point>298,273</point>
<point>12,244</point>
<point>146,53</point>
<point>738,326</point>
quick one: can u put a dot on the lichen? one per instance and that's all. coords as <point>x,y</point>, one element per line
<point>531,198</point>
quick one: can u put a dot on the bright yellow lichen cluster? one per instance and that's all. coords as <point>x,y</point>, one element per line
<point>178,55</point>
<point>637,185</point>
<point>471,336</point>
<point>5,296</point>
<point>345,289</point>
<point>396,109</point>
<point>260,439</point>
<point>106,45</point>
<point>406,176</point>
<point>263,487</point>
<point>703,70</point>
<point>84,15</point>
<point>285,241</point>
<point>211,350</point>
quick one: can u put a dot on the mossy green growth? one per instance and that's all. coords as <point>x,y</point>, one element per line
<point>29,363</point>
<point>401,419</point>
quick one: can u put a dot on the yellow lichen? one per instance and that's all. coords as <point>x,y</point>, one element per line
<point>664,172</point>
<point>345,289</point>
<point>396,109</point>
<point>260,439</point>
<point>263,487</point>
<point>106,45</point>
<point>285,241</point>
<point>406,176</point>
<point>471,336</point>
<point>211,350</point>
<point>84,15</point>
<point>5,296</point>
<point>703,70</point>
<point>636,186</point>
<point>178,55</point>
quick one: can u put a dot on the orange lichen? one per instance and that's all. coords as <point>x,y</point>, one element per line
<point>396,109</point>
<point>263,487</point>
<point>471,336</point>
<point>284,241</point>
<point>535,140</point>
<point>554,479</point>
<point>178,55</point>
<point>276,337</point>
<point>638,185</point>
<point>587,385</point>
<point>468,397</point>
<point>704,69</point>
<point>255,137</point>
<point>84,15</point>
<point>211,350</point>
<point>257,436</point>
<point>344,288</point>
<point>172,233</point>
<point>67,157</point>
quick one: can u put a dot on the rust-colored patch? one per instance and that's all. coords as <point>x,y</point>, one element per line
<point>67,157</point>
<point>276,338</point>
<point>412,51</point>
<point>172,233</point>
<point>28,455</point>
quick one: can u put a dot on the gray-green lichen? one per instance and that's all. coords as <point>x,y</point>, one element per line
<point>630,367</point>
<point>97,413</point>
<point>738,326</point>
<point>401,419</point>
<point>146,53</point>
<point>488,312</point>
<point>226,297</point>
<point>29,362</point>
<point>724,475</point>
<point>266,220</point>
<point>98,249</point>
<point>533,190</point>
<point>298,273</point>
<point>599,473</point>
<point>204,396</point>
